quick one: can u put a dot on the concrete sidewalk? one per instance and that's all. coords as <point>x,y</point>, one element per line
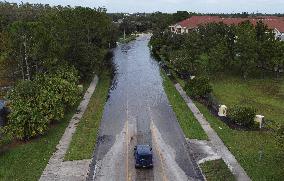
<point>217,144</point>
<point>56,168</point>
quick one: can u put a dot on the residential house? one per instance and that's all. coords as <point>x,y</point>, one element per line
<point>187,25</point>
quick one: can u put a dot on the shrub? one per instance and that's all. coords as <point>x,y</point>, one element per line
<point>242,115</point>
<point>198,87</point>
<point>35,104</point>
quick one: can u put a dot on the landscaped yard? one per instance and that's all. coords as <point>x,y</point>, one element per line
<point>84,139</point>
<point>266,95</point>
<point>255,150</point>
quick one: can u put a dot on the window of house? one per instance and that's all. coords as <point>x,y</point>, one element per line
<point>179,30</point>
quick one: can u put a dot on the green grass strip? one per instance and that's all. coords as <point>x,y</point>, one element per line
<point>217,170</point>
<point>84,139</point>
<point>190,126</point>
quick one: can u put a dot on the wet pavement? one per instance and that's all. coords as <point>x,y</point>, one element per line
<point>138,112</point>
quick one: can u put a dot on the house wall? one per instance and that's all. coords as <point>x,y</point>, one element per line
<point>281,36</point>
<point>276,33</point>
<point>178,29</point>
<point>173,29</point>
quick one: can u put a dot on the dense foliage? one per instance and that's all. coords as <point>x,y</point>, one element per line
<point>242,115</point>
<point>36,103</point>
<point>45,51</point>
<point>198,87</point>
<point>243,49</point>
<point>36,38</point>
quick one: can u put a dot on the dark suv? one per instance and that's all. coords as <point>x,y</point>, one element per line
<point>143,156</point>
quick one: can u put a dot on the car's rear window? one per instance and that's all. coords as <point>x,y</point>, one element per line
<point>146,157</point>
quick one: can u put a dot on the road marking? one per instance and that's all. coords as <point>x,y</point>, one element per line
<point>156,146</point>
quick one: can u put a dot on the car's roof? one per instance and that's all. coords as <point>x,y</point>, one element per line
<point>144,150</point>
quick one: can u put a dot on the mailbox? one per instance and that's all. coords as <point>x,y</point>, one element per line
<point>222,111</point>
<point>259,119</point>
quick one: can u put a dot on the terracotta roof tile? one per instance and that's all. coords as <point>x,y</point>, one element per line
<point>271,21</point>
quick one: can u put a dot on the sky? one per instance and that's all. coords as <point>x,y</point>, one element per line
<point>170,6</point>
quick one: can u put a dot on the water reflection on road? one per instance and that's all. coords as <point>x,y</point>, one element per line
<point>138,112</point>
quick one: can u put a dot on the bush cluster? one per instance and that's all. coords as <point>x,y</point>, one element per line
<point>198,87</point>
<point>242,115</point>
<point>36,103</point>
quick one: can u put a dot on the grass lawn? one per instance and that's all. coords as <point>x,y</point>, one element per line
<point>186,119</point>
<point>266,95</point>
<point>26,161</point>
<point>256,151</point>
<point>217,170</point>
<point>84,139</point>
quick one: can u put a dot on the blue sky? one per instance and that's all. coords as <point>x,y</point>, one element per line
<point>203,6</point>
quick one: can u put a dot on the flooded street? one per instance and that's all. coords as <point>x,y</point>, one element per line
<point>138,112</point>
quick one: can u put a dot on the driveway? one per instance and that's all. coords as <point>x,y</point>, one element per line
<point>138,112</point>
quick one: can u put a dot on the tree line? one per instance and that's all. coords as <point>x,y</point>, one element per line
<point>46,51</point>
<point>38,37</point>
<point>141,22</point>
<point>242,49</point>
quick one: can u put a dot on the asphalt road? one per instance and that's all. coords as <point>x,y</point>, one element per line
<point>138,112</point>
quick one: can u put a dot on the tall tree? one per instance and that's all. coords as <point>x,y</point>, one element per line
<point>266,45</point>
<point>246,48</point>
<point>277,62</point>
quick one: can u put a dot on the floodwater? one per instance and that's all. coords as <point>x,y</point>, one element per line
<point>138,112</point>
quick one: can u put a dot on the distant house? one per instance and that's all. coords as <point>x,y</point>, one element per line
<point>192,23</point>
<point>119,21</point>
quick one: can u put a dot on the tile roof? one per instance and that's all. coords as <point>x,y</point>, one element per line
<point>195,21</point>
<point>271,21</point>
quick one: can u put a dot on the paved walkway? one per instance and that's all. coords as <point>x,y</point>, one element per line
<point>217,143</point>
<point>56,168</point>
